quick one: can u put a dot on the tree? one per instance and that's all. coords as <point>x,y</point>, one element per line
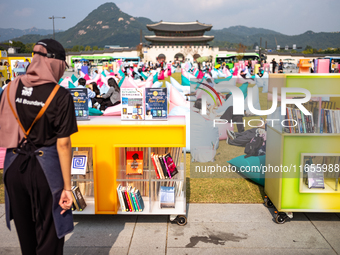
<point>95,48</point>
<point>241,49</point>
<point>81,48</point>
<point>88,48</point>
<point>75,48</point>
<point>29,47</point>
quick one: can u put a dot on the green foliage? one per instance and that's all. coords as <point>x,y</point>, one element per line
<point>95,48</point>
<point>75,48</point>
<point>88,48</point>
<point>29,47</point>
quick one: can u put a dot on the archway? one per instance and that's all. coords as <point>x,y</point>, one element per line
<point>179,57</point>
<point>161,58</point>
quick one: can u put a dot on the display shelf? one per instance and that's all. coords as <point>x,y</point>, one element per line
<point>287,191</point>
<point>110,137</point>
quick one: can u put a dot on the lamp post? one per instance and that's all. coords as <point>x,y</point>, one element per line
<point>52,18</point>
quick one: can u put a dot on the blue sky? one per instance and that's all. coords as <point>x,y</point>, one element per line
<point>288,17</point>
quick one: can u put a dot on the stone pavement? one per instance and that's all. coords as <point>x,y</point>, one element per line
<point>211,229</point>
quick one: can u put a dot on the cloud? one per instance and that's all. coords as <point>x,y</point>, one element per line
<point>25,12</point>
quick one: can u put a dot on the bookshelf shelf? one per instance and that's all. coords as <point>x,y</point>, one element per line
<point>288,191</point>
<point>110,138</point>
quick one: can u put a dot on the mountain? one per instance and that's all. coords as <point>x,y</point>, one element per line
<point>108,25</point>
<point>250,36</point>
<point>10,33</point>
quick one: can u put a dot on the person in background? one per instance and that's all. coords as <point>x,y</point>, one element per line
<point>78,66</point>
<point>90,93</point>
<point>27,63</point>
<point>37,177</point>
<point>93,87</point>
<point>273,65</point>
<point>332,66</point>
<point>8,72</point>
<point>112,97</point>
<point>6,83</point>
<point>280,69</point>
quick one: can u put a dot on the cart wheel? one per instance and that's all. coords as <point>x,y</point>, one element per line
<point>268,203</point>
<point>181,220</point>
<point>280,219</point>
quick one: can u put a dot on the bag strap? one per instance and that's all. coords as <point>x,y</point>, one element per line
<point>41,112</point>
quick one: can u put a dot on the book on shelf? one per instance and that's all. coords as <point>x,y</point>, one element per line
<point>167,197</point>
<point>120,197</point>
<point>78,199</point>
<point>155,166</point>
<point>172,169</point>
<point>324,117</point>
<point>315,177</point>
<point>164,166</point>
<point>130,199</point>
<point>79,163</point>
<point>134,162</point>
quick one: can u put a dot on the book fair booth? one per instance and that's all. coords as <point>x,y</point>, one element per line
<point>132,160</point>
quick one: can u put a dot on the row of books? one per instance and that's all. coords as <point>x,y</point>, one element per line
<point>297,122</point>
<point>164,166</point>
<point>321,121</point>
<point>79,203</point>
<point>176,153</point>
<point>130,199</point>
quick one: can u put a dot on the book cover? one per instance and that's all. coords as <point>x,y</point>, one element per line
<point>75,200</point>
<point>298,115</point>
<point>335,130</point>
<point>79,198</point>
<point>127,199</point>
<point>156,104</point>
<point>171,165</point>
<point>167,197</point>
<point>135,209</point>
<point>166,166</point>
<point>161,162</point>
<point>134,162</point>
<point>322,117</point>
<point>315,177</point>
<point>159,167</point>
<point>140,199</point>
<point>79,162</point>
<point>328,119</point>
<point>304,123</point>
<point>135,199</point>
<point>154,165</point>
<point>121,201</point>
<point>130,199</point>
<point>122,191</point>
<point>293,121</point>
<point>289,120</point>
<point>286,123</point>
<point>132,104</point>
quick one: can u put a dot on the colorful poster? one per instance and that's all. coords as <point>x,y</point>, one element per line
<point>132,103</point>
<point>81,106</point>
<point>156,104</point>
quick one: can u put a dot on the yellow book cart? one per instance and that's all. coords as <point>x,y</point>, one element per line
<point>106,140</point>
